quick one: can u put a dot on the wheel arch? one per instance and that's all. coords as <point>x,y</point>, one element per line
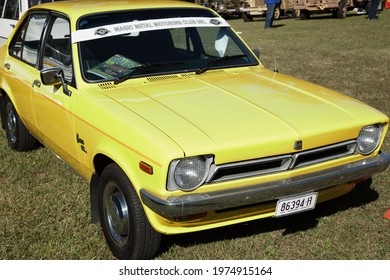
<point>100,161</point>
<point>5,92</point>
<point>3,95</point>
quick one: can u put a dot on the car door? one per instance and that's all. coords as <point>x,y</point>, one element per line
<point>52,108</point>
<point>20,66</point>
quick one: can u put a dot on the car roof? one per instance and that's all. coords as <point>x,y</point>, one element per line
<point>77,8</point>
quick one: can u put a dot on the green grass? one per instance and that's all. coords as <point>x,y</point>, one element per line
<point>44,205</point>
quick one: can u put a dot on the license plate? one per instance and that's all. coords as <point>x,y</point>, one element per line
<point>292,205</point>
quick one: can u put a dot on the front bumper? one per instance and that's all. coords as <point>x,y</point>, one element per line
<point>177,206</point>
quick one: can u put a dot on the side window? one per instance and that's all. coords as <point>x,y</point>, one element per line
<point>181,40</point>
<point>218,43</point>
<point>26,44</point>
<point>11,10</point>
<point>1,7</point>
<point>57,51</point>
<point>37,2</point>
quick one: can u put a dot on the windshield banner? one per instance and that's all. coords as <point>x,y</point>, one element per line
<point>145,25</point>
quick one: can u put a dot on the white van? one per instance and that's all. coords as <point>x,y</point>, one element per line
<point>11,11</point>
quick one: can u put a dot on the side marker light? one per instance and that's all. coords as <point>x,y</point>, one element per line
<point>146,167</point>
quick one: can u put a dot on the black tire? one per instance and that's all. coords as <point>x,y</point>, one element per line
<point>304,15</point>
<point>246,17</point>
<point>19,138</point>
<point>342,9</point>
<point>126,228</point>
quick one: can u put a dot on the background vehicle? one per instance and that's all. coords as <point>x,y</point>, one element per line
<point>11,11</point>
<point>303,9</point>
<point>258,8</point>
<point>226,8</point>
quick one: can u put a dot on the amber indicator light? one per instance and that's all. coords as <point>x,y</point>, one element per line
<point>146,167</point>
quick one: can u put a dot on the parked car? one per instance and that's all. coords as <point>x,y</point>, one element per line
<point>10,12</point>
<point>174,122</point>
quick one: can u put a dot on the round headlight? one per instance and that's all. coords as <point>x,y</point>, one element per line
<point>368,139</point>
<point>191,172</point>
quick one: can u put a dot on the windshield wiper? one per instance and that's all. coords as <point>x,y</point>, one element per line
<point>217,60</point>
<point>141,68</point>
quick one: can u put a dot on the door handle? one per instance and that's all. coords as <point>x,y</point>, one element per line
<point>7,66</point>
<point>36,83</point>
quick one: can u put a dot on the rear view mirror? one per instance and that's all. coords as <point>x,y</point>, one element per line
<point>55,76</point>
<point>50,76</point>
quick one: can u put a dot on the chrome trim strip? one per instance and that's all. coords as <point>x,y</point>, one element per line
<point>285,161</point>
<point>176,206</point>
<point>350,145</point>
<point>289,161</point>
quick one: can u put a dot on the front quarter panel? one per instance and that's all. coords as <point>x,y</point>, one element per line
<point>105,128</point>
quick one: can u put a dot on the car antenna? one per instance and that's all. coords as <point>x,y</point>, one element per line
<point>275,66</point>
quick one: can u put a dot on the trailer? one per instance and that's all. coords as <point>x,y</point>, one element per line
<point>258,8</point>
<point>303,9</point>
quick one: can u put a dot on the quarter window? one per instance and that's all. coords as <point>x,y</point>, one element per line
<point>57,50</point>
<point>27,43</point>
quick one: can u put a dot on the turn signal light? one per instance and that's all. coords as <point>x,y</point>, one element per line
<point>146,167</point>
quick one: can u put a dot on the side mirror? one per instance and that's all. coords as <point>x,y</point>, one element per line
<point>257,53</point>
<point>55,76</point>
<point>50,76</point>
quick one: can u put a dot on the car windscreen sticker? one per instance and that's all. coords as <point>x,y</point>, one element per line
<point>135,27</point>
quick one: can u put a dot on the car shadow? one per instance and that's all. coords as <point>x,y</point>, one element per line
<point>361,195</point>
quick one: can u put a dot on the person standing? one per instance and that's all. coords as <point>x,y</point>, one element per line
<point>373,9</point>
<point>269,18</point>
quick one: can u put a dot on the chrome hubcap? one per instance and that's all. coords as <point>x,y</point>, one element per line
<point>116,213</point>
<point>11,122</point>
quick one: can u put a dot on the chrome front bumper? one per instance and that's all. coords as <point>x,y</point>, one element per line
<point>176,206</point>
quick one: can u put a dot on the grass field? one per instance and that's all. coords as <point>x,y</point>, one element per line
<point>44,205</point>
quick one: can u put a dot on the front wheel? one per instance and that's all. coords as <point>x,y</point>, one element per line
<point>126,228</point>
<point>19,138</point>
<point>342,9</point>
<point>277,13</point>
<point>296,13</point>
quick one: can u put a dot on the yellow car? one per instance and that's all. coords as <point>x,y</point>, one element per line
<point>174,121</point>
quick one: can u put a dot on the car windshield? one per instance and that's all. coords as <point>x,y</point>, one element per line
<point>124,45</point>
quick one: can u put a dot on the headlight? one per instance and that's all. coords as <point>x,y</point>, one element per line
<point>189,173</point>
<point>369,138</point>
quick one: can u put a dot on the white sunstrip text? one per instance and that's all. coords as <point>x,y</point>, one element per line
<point>145,25</point>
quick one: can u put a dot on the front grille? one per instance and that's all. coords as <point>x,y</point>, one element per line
<point>250,168</point>
<point>269,165</point>
<point>324,154</point>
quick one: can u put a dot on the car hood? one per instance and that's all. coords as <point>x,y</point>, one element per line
<point>251,114</point>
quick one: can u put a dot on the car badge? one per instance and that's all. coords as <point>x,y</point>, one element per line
<point>102,31</point>
<point>298,145</point>
<point>215,22</point>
